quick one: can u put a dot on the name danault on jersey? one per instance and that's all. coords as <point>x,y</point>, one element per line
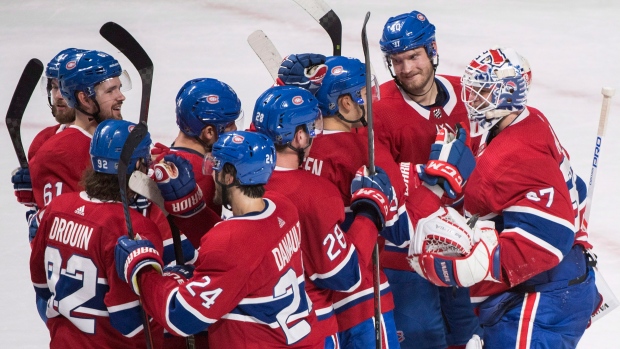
<point>287,247</point>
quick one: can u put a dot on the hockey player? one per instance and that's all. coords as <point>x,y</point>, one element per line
<point>79,295</point>
<point>248,286</point>
<point>64,116</point>
<point>205,108</point>
<point>336,155</point>
<point>91,83</point>
<point>528,262</point>
<point>291,118</point>
<point>413,106</point>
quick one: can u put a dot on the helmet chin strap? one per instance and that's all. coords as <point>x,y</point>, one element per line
<point>300,151</point>
<point>224,187</point>
<point>94,116</point>
<point>362,119</point>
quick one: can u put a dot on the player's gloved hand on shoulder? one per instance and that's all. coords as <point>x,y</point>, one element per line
<point>371,195</point>
<point>481,263</point>
<point>22,185</point>
<point>139,203</point>
<point>158,152</point>
<point>181,273</point>
<point>175,178</point>
<point>451,162</point>
<point>305,70</point>
<point>131,256</point>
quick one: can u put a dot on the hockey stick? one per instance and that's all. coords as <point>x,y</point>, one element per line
<point>266,51</point>
<point>133,140</point>
<point>376,281</point>
<point>327,18</point>
<point>123,41</point>
<point>610,301</point>
<point>26,85</point>
<point>607,92</point>
<point>142,184</point>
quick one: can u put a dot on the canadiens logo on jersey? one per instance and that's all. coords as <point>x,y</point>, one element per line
<point>437,113</point>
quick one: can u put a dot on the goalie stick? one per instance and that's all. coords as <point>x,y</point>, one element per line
<point>125,42</point>
<point>376,281</point>
<point>610,301</point>
<point>26,85</point>
<point>327,18</point>
<point>133,140</point>
<point>266,52</point>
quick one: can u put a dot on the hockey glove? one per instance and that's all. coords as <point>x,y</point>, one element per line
<point>445,232</point>
<point>305,70</point>
<point>158,152</point>
<point>131,256</point>
<point>181,273</point>
<point>450,163</point>
<point>139,203</point>
<point>175,178</point>
<point>371,195</point>
<point>33,224</point>
<point>480,264</point>
<point>23,186</point>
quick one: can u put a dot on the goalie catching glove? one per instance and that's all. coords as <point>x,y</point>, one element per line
<point>175,178</point>
<point>450,163</point>
<point>444,266</point>
<point>305,70</point>
<point>371,195</point>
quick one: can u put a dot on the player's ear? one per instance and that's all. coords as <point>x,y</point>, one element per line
<point>345,104</point>
<point>83,99</point>
<point>300,139</point>
<point>209,134</point>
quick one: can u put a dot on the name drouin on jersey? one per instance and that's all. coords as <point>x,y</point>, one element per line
<point>70,233</point>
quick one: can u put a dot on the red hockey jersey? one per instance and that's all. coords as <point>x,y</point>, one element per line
<point>248,286</point>
<point>58,165</point>
<point>73,271</point>
<point>521,181</point>
<point>42,137</point>
<point>330,259</point>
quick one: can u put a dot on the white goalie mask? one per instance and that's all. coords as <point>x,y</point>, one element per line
<point>495,84</point>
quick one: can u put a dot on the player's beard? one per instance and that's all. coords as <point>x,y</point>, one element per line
<point>420,82</point>
<point>64,115</point>
<point>112,112</point>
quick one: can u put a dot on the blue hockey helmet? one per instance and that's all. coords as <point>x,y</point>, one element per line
<point>344,76</point>
<point>107,143</point>
<point>82,71</point>
<point>52,68</point>
<point>406,32</point>
<point>281,109</point>
<point>204,101</point>
<point>251,153</point>
<point>495,84</point>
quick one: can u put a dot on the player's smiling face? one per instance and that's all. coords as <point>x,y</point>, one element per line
<point>110,98</point>
<point>413,69</point>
